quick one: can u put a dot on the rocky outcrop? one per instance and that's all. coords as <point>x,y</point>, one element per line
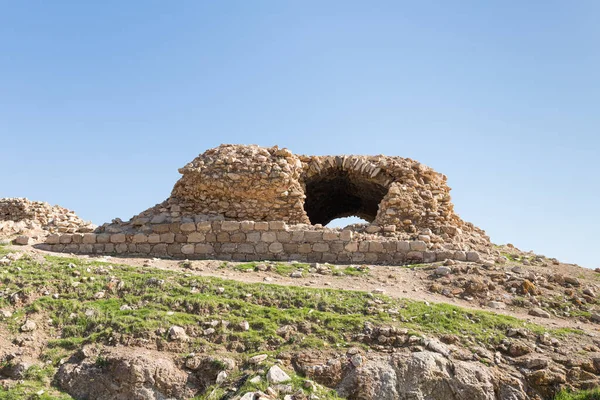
<point>124,374</point>
<point>422,375</point>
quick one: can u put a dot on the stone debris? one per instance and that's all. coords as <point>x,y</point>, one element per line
<point>20,215</point>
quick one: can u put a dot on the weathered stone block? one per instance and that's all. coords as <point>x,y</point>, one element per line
<point>275,247</point>
<point>329,257</point>
<point>109,248</point>
<point>187,227</point>
<point>320,247</point>
<point>140,238</point>
<point>304,248</point>
<point>363,246</point>
<point>117,238</point>
<point>418,245</point>
<point>204,226</point>
<point>144,248</point>
<point>65,239</point>
<point>415,256</point>
<point>86,248</point>
<point>298,236</point>
<point>121,248</point>
<point>160,249</point>
<point>168,237</point>
<point>247,226</point>
<point>228,248</point>
<point>196,237</point>
<point>376,247</point>
<point>154,238</point>
<point>261,226</point>
<point>99,248</point>
<point>261,248</point>
<point>277,225</point>
<point>444,255</point>
<point>403,246</point>
<point>53,239</point>
<point>89,238</point>
<point>351,247</point>
<point>187,249</point>
<point>346,235</point>
<point>174,249</point>
<point>77,238</point>
<point>237,237</point>
<point>473,256</point>
<point>222,237</point>
<point>175,227</point>
<point>330,235</point>
<point>336,247</point>
<point>460,255</point>
<point>203,248</point>
<point>161,228</point>
<point>313,236</point>
<point>283,236</point>
<point>268,237</point>
<point>230,226</point>
<point>429,256</point>
<point>103,238</point>
<point>72,248</point>
<point>246,248</point>
<point>390,246</point>
<point>357,257</point>
<point>253,237</point>
<point>290,248</point>
<point>370,257</point>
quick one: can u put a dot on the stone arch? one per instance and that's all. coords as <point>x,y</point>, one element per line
<point>337,187</point>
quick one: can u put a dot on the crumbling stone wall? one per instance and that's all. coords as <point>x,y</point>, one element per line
<point>250,240</point>
<point>18,214</point>
<point>402,200</point>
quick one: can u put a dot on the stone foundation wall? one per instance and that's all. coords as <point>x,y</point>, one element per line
<point>255,241</point>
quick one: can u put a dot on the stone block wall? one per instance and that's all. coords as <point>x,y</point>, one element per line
<point>255,241</point>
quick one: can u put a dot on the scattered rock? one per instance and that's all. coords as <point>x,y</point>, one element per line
<point>538,312</point>
<point>277,375</point>
<point>258,359</point>
<point>28,326</point>
<point>22,240</point>
<point>443,270</point>
<point>177,333</point>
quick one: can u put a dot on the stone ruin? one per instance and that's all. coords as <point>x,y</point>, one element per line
<point>23,216</point>
<point>249,203</point>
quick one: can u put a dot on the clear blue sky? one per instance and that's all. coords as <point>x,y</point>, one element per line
<point>102,101</point>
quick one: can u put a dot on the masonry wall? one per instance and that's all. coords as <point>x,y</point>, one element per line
<point>254,241</point>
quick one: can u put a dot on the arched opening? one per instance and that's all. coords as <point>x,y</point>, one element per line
<point>337,193</point>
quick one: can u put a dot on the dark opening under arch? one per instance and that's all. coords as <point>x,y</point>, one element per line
<point>339,193</point>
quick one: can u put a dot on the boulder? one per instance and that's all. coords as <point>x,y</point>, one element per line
<point>124,374</point>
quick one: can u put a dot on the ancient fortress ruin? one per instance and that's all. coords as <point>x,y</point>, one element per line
<point>250,203</point>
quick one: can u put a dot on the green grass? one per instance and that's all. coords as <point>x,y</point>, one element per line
<point>593,394</point>
<point>29,389</point>
<point>162,298</point>
<point>285,268</point>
